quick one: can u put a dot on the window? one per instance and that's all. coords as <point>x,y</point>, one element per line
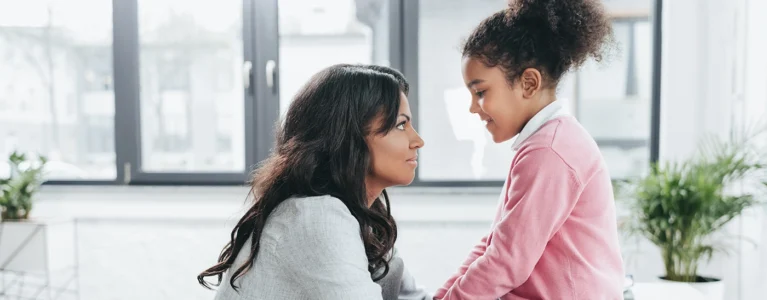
<point>611,99</point>
<point>186,114</point>
<point>317,34</point>
<point>52,59</point>
<point>452,133</point>
<point>190,54</point>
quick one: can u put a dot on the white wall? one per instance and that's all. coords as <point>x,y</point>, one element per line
<point>713,78</point>
<point>714,82</point>
<point>150,243</point>
<point>696,71</point>
<point>751,108</point>
<point>755,65</point>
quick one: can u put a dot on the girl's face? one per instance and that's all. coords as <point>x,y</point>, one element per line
<point>394,156</point>
<point>504,108</point>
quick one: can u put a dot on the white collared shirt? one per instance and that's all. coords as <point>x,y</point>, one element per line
<point>551,111</point>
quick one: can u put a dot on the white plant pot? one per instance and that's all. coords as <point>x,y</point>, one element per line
<point>43,250</point>
<point>712,288</point>
<point>37,246</point>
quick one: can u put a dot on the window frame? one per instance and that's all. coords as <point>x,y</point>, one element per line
<point>410,26</point>
<point>260,36</point>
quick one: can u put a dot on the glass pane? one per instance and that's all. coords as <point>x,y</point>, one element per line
<point>611,99</point>
<point>317,34</point>
<point>614,101</point>
<point>56,91</point>
<point>192,96</point>
<point>450,131</point>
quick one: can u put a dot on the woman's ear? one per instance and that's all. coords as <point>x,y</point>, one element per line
<point>531,82</point>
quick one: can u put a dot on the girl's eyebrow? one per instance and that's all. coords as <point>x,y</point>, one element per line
<point>474,82</point>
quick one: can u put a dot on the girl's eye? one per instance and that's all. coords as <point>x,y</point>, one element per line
<point>480,94</point>
<point>401,126</point>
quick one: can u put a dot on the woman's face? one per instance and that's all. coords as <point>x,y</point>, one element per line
<point>394,155</point>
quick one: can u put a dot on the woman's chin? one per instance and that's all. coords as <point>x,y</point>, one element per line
<point>406,180</point>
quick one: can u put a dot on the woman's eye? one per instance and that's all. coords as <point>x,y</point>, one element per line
<point>401,126</point>
<point>480,94</point>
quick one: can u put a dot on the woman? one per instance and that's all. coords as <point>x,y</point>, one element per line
<point>321,226</point>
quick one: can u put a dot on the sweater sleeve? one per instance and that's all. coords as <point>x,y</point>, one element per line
<point>409,290</point>
<point>476,252</point>
<point>542,193</point>
<point>326,255</point>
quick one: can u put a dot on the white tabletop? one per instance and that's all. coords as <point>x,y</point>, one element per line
<point>665,291</point>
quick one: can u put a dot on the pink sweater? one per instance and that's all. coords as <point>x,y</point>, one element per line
<point>555,232</point>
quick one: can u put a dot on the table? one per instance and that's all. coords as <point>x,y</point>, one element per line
<point>664,291</point>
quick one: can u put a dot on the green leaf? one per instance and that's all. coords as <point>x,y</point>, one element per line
<point>18,191</point>
<point>678,206</point>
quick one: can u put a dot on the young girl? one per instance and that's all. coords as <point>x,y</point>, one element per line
<point>555,234</point>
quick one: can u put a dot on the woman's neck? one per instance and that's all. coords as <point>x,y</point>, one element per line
<point>373,192</point>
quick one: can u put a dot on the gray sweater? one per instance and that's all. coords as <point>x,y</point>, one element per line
<point>311,249</point>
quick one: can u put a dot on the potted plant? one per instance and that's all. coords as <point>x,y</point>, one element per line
<point>38,248</point>
<point>17,192</point>
<point>680,206</point>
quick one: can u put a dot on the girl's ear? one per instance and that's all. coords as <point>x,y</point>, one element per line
<point>531,82</point>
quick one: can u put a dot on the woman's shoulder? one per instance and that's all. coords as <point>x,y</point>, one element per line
<point>320,201</point>
<point>316,229</point>
<point>312,208</point>
<point>315,216</point>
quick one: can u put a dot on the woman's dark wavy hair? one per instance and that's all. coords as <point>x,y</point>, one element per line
<point>321,150</point>
<point>553,36</point>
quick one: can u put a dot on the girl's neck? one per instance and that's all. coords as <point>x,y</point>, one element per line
<point>547,97</point>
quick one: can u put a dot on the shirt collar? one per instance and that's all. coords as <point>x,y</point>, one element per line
<point>551,111</point>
